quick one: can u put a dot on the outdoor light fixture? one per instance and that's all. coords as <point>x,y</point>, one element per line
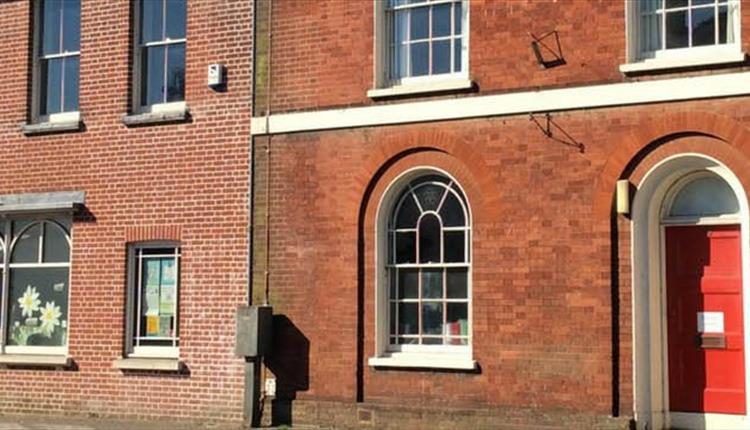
<point>623,196</point>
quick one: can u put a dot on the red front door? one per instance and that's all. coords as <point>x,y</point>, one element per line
<point>704,319</point>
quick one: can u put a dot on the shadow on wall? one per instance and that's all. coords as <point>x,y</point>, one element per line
<point>290,362</point>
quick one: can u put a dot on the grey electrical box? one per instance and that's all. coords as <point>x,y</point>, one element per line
<point>253,331</point>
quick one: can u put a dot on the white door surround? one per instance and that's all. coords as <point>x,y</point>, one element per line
<point>649,295</point>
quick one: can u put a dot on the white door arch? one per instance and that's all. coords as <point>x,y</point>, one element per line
<point>649,295</point>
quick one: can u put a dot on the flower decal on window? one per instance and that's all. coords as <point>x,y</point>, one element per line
<point>50,318</point>
<point>29,301</point>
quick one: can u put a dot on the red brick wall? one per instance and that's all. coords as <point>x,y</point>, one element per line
<point>543,259</point>
<point>323,51</point>
<point>181,181</point>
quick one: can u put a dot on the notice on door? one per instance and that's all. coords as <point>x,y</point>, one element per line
<point>710,322</point>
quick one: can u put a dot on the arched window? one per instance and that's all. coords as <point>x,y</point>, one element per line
<point>703,194</point>
<point>428,267</point>
<point>39,274</point>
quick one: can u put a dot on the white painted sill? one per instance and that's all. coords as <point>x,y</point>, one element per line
<point>150,363</point>
<point>35,360</point>
<point>421,88</point>
<point>158,114</point>
<point>656,64</point>
<point>424,360</point>
<point>59,122</point>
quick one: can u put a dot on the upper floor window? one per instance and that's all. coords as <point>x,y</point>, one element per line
<point>160,55</point>
<point>56,59</point>
<point>420,41</point>
<point>674,28</point>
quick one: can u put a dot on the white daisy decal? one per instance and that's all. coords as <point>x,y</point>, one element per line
<point>50,317</point>
<point>29,301</point>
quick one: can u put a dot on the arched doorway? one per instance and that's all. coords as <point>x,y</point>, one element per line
<point>690,255</point>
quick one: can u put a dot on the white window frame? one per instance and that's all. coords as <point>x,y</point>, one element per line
<point>138,48</point>
<point>417,356</point>
<point>678,57</point>
<point>135,257</point>
<point>8,266</point>
<point>384,85</point>
<point>36,84</point>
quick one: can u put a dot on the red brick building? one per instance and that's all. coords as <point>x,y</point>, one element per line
<point>446,246</point>
<point>124,208</point>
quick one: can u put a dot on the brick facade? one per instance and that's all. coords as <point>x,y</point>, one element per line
<point>552,290</point>
<point>186,182</point>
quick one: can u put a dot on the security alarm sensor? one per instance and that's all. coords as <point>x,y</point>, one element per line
<point>215,75</point>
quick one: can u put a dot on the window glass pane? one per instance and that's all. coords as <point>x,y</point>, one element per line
<point>152,17</point>
<point>457,322</point>
<point>408,213</point>
<point>677,30</point>
<point>675,3</point>
<point>408,282</point>
<point>408,318</point>
<point>650,39</point>
<point>454,247</point>
<point>703,2</point>
<point>451,212</point>
<point>457,17</point>
<point>649,6</point>
<point>176,73</point>
<point>26,247</point>
<point>429,239</point>
<point>399,49</point>
<point>441,56</point>
<point>706,196</point>
<point>176,18</point>
<point>70,93</point>
<point>441,20</point>
<point>456,284</point>
<point>429,196</point>
<point>457,55</point>
<point>153,76</point>
<point>51,12</point>
<point>419,23</point>
<point>432,283</point>
<point>393,281</point>
<point>432,318</point>
<point>38,300</point>
<point>56,248</point>
<point>406,249</point>
<point>158,297</point>
<point>71,25</point>
<point>392,318</point>
<point>723,25</point>
<point>420,60</point>
<point>51,86</point>
<point>703,26</point>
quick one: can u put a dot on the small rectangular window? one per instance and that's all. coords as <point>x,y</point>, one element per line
<point>160,37</point>
<point>56,59</point>
<point>153,285</point>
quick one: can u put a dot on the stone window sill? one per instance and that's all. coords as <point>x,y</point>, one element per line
<point>424,360</point>
<point>156,364</point>
<point>35,360</point>
<point>716,58</point>
<point>31,129</point>
<point>156,118</point>
<point>421,88</point>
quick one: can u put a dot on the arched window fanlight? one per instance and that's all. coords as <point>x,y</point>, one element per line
<point>429,237</point>
<point>703,195</point>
